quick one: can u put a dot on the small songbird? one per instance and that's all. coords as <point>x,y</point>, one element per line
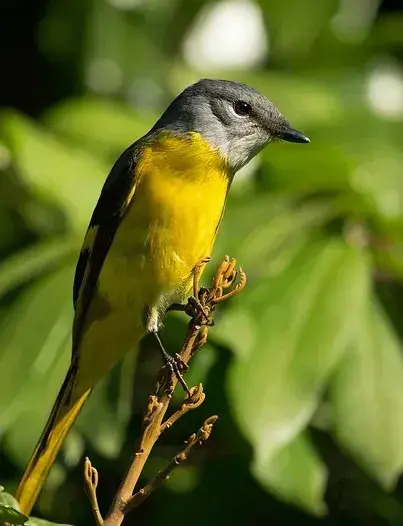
<point>156,219</point>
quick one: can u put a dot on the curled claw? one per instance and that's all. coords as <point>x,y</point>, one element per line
<point>197,273</point>
<point>196,311</point>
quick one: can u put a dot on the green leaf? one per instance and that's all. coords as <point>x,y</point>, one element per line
<point>34,342</point>
<point>298,330</point>
<point>11,516</point>
<point>295,474</point>
<point>284,162</point>
<point>388,254</point>
<point>289,38</point>
<point>33,261</point>
<point>105,416</point>
<point>10,509</point>
<point>264,232</point>
<point>367,395</point>
<point>379,180</point>
<point>103,126</point>
<point>8,500</point>
<point>65,176</point>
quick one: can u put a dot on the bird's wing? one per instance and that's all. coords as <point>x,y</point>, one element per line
<point>115,199</point>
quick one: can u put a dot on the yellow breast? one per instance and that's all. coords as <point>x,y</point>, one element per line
<point>173,219</point>
<point>188,201</point>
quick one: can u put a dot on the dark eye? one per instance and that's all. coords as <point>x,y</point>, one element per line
<point>242,108</point>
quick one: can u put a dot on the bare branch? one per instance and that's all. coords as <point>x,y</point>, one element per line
<point>196,439</point>
<point>200,309</point>
<point>196,399</point>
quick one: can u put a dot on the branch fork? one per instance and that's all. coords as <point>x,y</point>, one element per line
<point>227,283</point>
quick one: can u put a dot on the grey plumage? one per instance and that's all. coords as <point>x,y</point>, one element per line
<point>209,108</point>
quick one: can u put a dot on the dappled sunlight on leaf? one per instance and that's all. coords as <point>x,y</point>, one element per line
<point>300,335</point>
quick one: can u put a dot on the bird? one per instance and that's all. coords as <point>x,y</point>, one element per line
<point>156,218</point>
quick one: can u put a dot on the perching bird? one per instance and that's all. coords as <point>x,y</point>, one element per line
<point>156,218</point>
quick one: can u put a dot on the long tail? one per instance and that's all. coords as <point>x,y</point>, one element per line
<point>64,412</point>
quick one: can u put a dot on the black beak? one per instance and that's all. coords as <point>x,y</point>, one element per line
<point>290,135</point>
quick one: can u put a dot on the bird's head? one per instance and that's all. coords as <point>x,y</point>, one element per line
<point>233,117</point>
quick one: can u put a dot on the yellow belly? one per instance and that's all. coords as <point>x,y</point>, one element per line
<point>170,226</point>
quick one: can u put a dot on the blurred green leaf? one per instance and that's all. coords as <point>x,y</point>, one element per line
<point>8,500</point>
<point>106,414</point>
<point>388,254</point>
<point>10,509</point>
<point>11,516</point>
<point>31,407</point>
<point>299,329</point>
<point>379,180</point>
<point>295,474</point>
<point>263,231</point>
<point>35,260</point>
<point>367,395</point>
<point>325,167</point>
<point>388,29</point>
<point>291,39</point>
<point>66,176</point>
<point>184,480</point>
<point>34,337</point>
<point>101,126</point>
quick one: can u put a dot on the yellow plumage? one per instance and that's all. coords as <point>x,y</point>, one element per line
<point>170,225</point>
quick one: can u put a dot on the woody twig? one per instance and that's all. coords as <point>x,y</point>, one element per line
<point>227,282</point>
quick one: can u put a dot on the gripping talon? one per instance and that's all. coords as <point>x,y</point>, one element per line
<point>175,364</point>
<point>195,310</point>
<point>176,369</point>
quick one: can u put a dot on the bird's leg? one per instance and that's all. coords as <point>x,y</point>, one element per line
<point>194,305</point>
<point>175,364</point>
<point>197,272</point>
<point>196,311</point>
<point>179,307</point>
<point>192,308</point>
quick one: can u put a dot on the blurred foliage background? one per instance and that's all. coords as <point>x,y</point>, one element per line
<point>304,368</point>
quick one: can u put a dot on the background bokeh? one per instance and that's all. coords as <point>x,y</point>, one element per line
<point>305,367</point>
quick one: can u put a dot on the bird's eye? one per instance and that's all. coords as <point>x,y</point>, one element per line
<point>242,108</point>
